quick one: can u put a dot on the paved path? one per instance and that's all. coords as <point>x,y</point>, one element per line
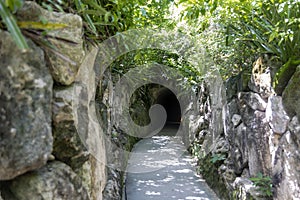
<point>160,168</point>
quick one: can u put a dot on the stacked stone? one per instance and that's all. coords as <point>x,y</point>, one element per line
<point>42,153</point>
<point>263,131</point>
<point>261,134</point>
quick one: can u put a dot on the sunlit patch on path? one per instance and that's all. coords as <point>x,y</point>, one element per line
<point>155,171</point>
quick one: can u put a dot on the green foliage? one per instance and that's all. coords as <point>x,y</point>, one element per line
<point>105,18</point>
<point>273,28</point>
<point>148,56</point>
<point>210,172</point>
<point>141,13</point>
<point>14,5</point>
<point>264,184</point>
<point>211,27</point>
<point>52,5</point>
<point>7,9</point>
<point>199,12</point>
<point>217,157</point>
<point>251,27</point>
<point>229,59</point>
<point>270,27</point>
<point>195,149</point>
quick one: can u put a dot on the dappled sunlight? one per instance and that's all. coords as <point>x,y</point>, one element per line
<point>152,193</point>
<point>160,168</point>
<point>155,153</point>
<point>196,198</point>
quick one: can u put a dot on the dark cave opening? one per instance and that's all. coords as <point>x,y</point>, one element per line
<point>169,101</point>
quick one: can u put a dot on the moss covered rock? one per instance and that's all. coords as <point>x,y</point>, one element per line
<point>67,41</point>
<point>55,180</point>
<point>291,95</point>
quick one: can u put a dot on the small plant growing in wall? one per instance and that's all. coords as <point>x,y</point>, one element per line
<point>217,157</point>
<point>263,183</point>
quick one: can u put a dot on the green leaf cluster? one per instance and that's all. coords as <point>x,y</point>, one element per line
<point>272,27</point>
<point>258,26</point>
<point>148,56</point>
<point>105,18</point>
<point>217,157</point>
<point>264,184</point>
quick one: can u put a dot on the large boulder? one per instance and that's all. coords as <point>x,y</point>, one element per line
<point>25,109</point>
<point>55,180</point>
<point>67,40</point>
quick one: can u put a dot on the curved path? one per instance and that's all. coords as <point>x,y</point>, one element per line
<point>160,168</point>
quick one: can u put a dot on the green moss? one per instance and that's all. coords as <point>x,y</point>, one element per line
<point>68,147</point>
<point>284,74</point>
<point>131,141</point>
<point>139,113</point>
<point>210,173</point>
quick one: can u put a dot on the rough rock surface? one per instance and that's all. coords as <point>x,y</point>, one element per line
<point>118,143</point>
<point>67,145</point>
<point>259,137</point>
<point>67,40</point>
<point>29,116</point>
<point>25,109</point>
<point>55,180</point>
<point>247,136</point>
<point>113,188</point>
<point>78,137</point>
<point>291,94</point>
<point>245,189</point>
<point>276,115</point>
<point>261,80</point>
<point>253,100</point>
<point>286,170</point>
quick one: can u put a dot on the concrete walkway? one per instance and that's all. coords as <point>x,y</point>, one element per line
<point>160,168</point>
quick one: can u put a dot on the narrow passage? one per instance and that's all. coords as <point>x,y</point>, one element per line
<point>161,168</point>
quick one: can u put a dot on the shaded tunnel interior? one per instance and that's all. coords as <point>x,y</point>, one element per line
<point>169,101</point>
<point>152,94</point>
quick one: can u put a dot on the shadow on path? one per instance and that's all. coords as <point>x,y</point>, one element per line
<point>161,168</point>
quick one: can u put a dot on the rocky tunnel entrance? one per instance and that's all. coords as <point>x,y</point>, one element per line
<point>169,101</point>
<point>152,94</point>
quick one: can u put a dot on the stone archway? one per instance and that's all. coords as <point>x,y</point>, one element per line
<point>153,73</point>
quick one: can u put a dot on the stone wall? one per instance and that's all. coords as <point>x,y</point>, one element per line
<point>48,115</point>
<point>57,138</point>
<point>58,141</point>
<point>260,135</point>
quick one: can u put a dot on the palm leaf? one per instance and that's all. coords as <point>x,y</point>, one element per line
<point>12,27</point>
<point>80,7</point>
<point>40,25</point>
